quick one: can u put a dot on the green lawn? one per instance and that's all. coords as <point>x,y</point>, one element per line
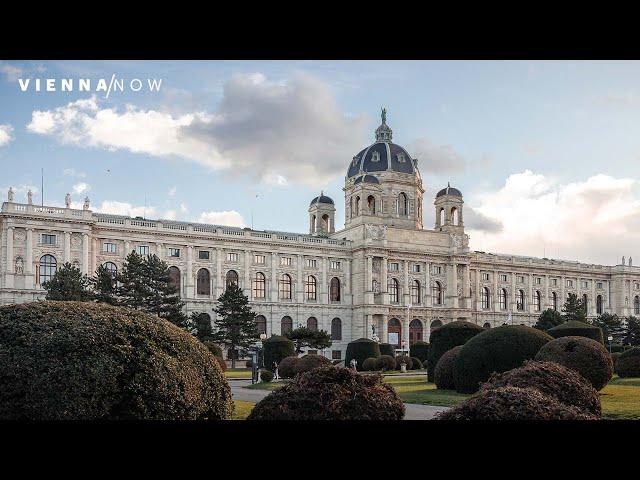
<point>266,386</point>
<point>242,410</point>
<point>416,390</point>
<point>621,399</point>
<point>238,373</point>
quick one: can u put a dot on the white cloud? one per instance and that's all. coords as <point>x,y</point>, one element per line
<point>436,158</point>
<point>5,134</point>
<point>80,188</point>
<point>595,220</point>
<point>10,72</point>
<point>172,191</point>
<point>259,130</point>
<point>123,208</point>
<point>170,215</point>
<point>71,172</point>
<point>183,208</point>
<point>229,218</point>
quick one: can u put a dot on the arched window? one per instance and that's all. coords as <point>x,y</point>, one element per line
<point>357,205</point>
<point>554,301</point>
<point>436,293</point>
<point>484,298</point>
<point>502,298</point>
<point>334,290</point>
<point>312,227</point>
<point>111,268</point>
<point>47,268</point>
<point>537,297</point>
<point>371,203</point>
<point>351,207</point>
<point>259,285</point>
<point>232,278</point>
<point>261,323</point>
<point>311,288</point>
<point>312,324</point>
<point>286,325</point>
<point>599,304</point>
<point>415,331</point>
<point>285,287</point>
<point>395,332</point>
<point>416,293</point>
<point>442,217</point>
<point>174,278</point>
<point>454,216</point>
<point>394,294</point>
<point>336,329</point>
<point>585,303</point>
<point>487,326</point>
<point>325,223</point>
<point>403,205</point>
<point>520,300</point>
<point>636,305</point>
<point>203,282</point>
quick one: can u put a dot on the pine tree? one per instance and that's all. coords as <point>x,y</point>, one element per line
<point>132,290</point>
<point>68,284</point>
<point>573,309</point>
<point>611,325</point>
<point>201,326</point>
<point>632,332</point>
<point>548,319</point>
<point>304,337</point>
<point>235,323</point>
<point>104,286</point>
<point>162,299</point>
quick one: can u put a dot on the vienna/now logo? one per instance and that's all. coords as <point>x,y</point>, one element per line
<point>107,86</point>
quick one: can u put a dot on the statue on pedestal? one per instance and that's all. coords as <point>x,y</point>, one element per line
<point>10,194</point>
<point>30,197</point>
<point>67,200</point>
<point>86,203</point>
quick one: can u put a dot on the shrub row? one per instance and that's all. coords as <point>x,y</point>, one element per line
<point>628,364</point>
<point>445,338</point>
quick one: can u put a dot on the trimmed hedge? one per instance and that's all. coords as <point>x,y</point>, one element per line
<point>407,361</point>
<point>419,350</point>
<point>266,375</point>
<point>445,338</point>
<point>417,364</point>
<point>222,364</point>
<point>496,350</point>
<point>369,365</point>
<point>385,363</point>
<point>574,328</point>
<point>443,375</point>
<point>331,393</point>
<point>361,349</point>
<point>287,367</point>
<point>513,403</point>
<point>387,349</point>
<point>275,349</point>
<point>309,362</point>
<point>584,355</point>
<point>86,361</point>
<point>628,364</point>
<point>552,379</point>
<point>614,359</point>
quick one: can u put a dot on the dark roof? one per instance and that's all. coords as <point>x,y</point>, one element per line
<point>322,199</point>
<point>366,179</point>
<point>449,190</point>
<point>390,157</point>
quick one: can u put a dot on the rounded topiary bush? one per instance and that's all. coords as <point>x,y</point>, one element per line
<point>445,338</point>
<point>628,364</point>
<point>309,362</point>
<point>552,379</point>
<point>513,403</point>
<point>331,393</point>
<point>213,348</point>
<point>287,367</point>
<point>361,349</point>
<point>574,328</point>
<point>496,350</point>
<point>400,359</point>
<point>385,363</point>
<point>221,363</point>
<point>416,363</point>
<point>387,349</point>
<point>369,365</point>
<point>588,357</point>
<point>266,375</point>
<point>614,360</point>
<point>85,361</point>
<point>419,350</point>
<point>443,375</point>
<point>275,349</point>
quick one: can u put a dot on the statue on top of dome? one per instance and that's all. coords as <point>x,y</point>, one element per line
<point>384,115</point>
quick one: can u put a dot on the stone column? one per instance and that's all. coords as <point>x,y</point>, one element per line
<point>384,338</point>
<point>514,306</point>
<point>496,292</point>
<point>347,281</point>
<point>453,285</point>
<point>466,286</point>
<point>189,273</point>
<point>323,291</point>
<point>562,299</point>
<point>547,294</point>
<point>406,292</point>
<point>477,307</point>
<point>592,302</point>
<point>85,253</point>
<point>219,286</point>
<point>94,253</point>
<point>274,277</point>
<point>9,259</point>
<point>248,291</point>
<point>67,246</point>
<point>127,248</point>
<point>28,267</point>
<point>368,280</point>
<point>384,280</point>
<point>531,302</point>
<point>427,301</point>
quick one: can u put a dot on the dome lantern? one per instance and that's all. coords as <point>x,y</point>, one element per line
<point>384,132</point>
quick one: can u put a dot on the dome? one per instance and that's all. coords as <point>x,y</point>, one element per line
<point>366,179</point>
<point>322,199</point>
<point>382,156</point>
<point>449,190</point>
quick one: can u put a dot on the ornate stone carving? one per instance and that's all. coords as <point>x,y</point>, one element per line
<point>76,240</point>
<point>19,266</point>
<point>376,232</point>
<point>19,235</point>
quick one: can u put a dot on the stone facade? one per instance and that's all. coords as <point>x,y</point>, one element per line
<point>382,276</point>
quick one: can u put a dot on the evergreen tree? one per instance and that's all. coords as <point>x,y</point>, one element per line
<point>132,290</point>
<point>548,319</point>
<point>201,325</point>
<point>632,332</point>
<point>104,286</point>
<point>68,284</point>
<point>303,337</point>
<point>162,298</point>
<point>611,325</point>
<point>574,309</point>
<point>235,322</point>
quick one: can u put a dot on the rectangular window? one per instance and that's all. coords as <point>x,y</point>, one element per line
<point>437,269</point>
<point>174,252</point>
<point>312,263</point>
<point>538,280</point>
<point>485,276</point>
<point>109,247</point>
<point>599,285</point>
<point>520,279</point>
<point>503,278</point>
<point>203,255</point>
<point>416,268</point>
<point>335,265</point>
<point>48,239</point>
<point>142,249</point>
<point>336,354</point>
<point>232,257</point>
<point>259,259</point>
<point>554,281</point>
<point>393,267</point>
<point>285,261</point>
<point>585,284</point>
<point>569,283</point>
